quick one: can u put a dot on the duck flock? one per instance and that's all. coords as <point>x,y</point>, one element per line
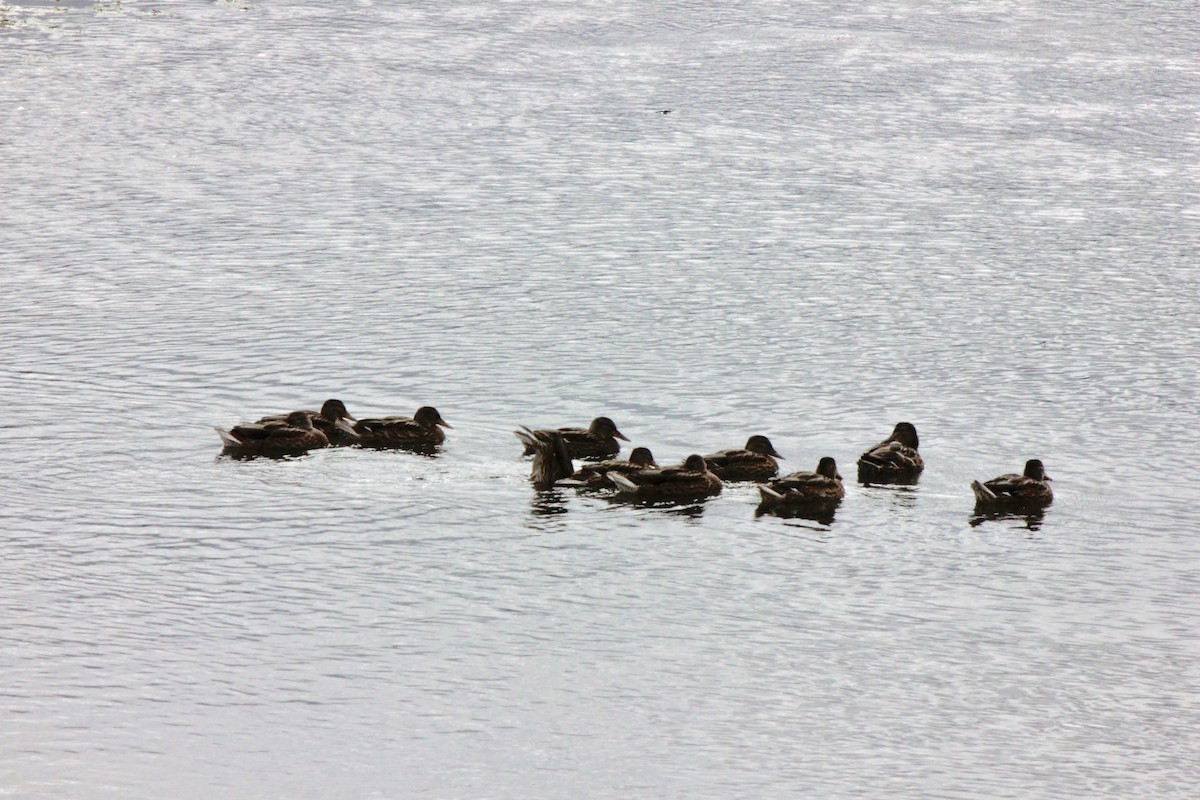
<point>895,460</point>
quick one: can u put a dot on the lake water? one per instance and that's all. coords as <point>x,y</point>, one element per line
<point>981,217</point>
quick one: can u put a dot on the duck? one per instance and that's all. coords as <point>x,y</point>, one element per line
<point>595,475</point>
<point>551,461</point>
<point>820,488</point>
<point>691,480</point>
<point>597,441</point>
<point>1012,492</point>
<point>754,462</point>
<point>895,459</point>
<point>421,431</point>
<point>333,412</point>
<point>293,436</point>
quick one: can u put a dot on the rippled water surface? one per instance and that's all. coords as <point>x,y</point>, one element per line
<point>982,217</point>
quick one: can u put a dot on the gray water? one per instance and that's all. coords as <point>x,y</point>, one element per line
<point>981,217</point>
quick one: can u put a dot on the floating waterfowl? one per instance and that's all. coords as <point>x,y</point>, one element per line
<point>326,421</point>
<point>1012,492</point>
<point>293,436</point>
<point>895,459</point>
<point>551,461</point>
<point>597,441</point>
<point>422,431</point>
<point>820,488</point>
<point>691,480</point>
<point>595,475</point>
<point>754,462</point>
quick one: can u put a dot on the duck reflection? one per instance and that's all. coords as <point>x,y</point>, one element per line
<point>820,514</point>
<point>546,511</point>
<point>1031,520</point>
<point>692,510</point>
<point>548,503</point>
<point>901,495</point>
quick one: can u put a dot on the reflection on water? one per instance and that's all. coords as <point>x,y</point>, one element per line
<point>899,495</point>
<point>690,510</point>
<point>823,514</point>
<point>548,502</point>
<point>1031,520</point>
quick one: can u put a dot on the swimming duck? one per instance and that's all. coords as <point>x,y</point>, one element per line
<point>895,459</point>
<point>1015,492</point>
<point>595,475</point>
<point>551,461</point>
<point>326,421</point>
<point>822,487</point>
<point>754,462</point>
<point>691,480</point>
<point>422,431</point>
<point>293,436</point>
<point>598,440</point>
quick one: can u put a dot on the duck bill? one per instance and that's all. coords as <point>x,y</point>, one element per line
<point>444,424</point>
<point>621,436</point>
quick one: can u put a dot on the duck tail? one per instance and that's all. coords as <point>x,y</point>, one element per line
<point>228,438</point>
<point>982,493</point>
<point>570,482</point>
<point>527,438</point>
<point>769,496</point>
<point>622,483</point>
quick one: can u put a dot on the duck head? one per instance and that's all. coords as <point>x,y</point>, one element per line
<point>605,428</point>
<point>828,467</point>
<point>642,457</point>
<point>298,419</point>
<point>1034,469</point>
<point>906,434</point>
<point>334,410</point>
<point>428,416</point>
<point>761,445</point>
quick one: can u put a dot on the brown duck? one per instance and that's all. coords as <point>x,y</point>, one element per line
<point>754,462</point>
<point>421,431</point>
<point>326,421</point>
<point>294,436</point>
<point>595,475</point>
<point>597,441</point>
<point>895,459</point>
<point>551,461</point>
<point>1011,492</point>
<point>691,480</point>
<point>820,488</point>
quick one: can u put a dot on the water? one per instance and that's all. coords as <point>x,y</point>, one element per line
<point>982,219</point>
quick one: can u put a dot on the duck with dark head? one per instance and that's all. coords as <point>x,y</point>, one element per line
<point>332,420</point>
<point>596,441</point>
<point>422,431</point>
<point>1028,491</point>
<point>293,436</point>
<point>692,480</point>
<point>895,459</point>
<point>821,488</point>
<point>754,462</point>
<point>595,474</point>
